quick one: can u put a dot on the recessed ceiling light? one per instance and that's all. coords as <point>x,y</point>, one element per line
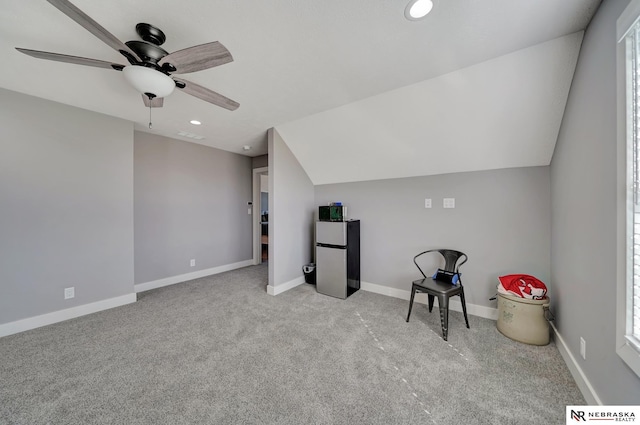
<point>417,9</point>
<point>195,122</point>
<point>246,147</point>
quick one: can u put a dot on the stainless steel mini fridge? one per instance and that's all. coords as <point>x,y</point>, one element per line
<point>338,257</point>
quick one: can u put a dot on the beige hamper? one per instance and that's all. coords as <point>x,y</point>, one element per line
<point>523,320</point>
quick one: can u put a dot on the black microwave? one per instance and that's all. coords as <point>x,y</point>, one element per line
<point>332,213</point>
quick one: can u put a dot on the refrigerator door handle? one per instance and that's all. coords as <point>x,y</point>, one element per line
<point>326,245</point>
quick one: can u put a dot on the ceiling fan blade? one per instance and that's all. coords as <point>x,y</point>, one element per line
<point>71,59</point>
<point>92,26</point>
<point>156,102</point>
<point>197,58</point>
<point>205,94</point>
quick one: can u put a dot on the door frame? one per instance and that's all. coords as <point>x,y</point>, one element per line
<point>257,227</point>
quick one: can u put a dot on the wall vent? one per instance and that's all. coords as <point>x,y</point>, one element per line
<point>190,135</point>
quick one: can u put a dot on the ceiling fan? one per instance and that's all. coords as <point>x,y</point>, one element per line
<point>150,66</point>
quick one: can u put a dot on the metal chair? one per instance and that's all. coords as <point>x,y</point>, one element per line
<point>441,286</point>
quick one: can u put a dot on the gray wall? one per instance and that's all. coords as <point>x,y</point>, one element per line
<point>260,161</point>
<point>583,190</point>
<point>501,220</point>
<point>66,196</point>
<point>291,203</point>
<point>190,203</point>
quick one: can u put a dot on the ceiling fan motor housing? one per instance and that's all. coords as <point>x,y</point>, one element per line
<point>146,51</point>
<point>151,34</point>
<point>149,50</point>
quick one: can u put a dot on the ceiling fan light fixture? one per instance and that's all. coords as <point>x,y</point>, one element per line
<point>418,9</point>
<point>148,80</point>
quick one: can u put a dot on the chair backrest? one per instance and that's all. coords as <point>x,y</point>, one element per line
<point>452,260</point>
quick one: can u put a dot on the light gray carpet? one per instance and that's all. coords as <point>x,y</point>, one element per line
<point>219,350</point>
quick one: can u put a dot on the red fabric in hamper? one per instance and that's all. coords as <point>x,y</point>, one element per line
<point>522,285</point>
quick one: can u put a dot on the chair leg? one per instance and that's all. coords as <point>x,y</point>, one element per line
<point>413,294</point>
<point>464,308</point>
<point>443,304</point>
<point>431,297</point>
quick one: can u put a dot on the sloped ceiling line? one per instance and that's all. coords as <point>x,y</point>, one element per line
<point>502,113</point>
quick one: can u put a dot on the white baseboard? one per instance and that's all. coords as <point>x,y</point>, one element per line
<point>583,383</point>
<point>454,304</point>
<point>146,286</point>
<point>66,314</point>
<point>279,289</point>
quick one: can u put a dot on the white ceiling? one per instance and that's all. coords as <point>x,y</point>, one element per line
<point>501,113</point>
<point>293,59</point>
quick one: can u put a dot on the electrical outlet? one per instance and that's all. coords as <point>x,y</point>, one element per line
<point>69,293</point>
<point>192,263</point>
<point>427,203</point>
<point>583,348</point>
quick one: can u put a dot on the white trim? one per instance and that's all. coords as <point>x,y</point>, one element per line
<point>66,314</point>
<point>454,304</point>
<point>146,286</point>
<point>624,227</point>
<point>583,383</point>
<point>279,289</point>
<point>627,19</point>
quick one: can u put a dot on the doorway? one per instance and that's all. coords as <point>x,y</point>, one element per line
<point>260,215</point>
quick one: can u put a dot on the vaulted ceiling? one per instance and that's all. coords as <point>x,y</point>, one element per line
<point>332,76</point>
<point>502,113</point>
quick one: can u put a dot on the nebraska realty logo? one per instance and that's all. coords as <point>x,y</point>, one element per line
<point>602,413</point>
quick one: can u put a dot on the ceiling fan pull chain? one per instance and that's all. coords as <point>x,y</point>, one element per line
<point>149,113</point>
